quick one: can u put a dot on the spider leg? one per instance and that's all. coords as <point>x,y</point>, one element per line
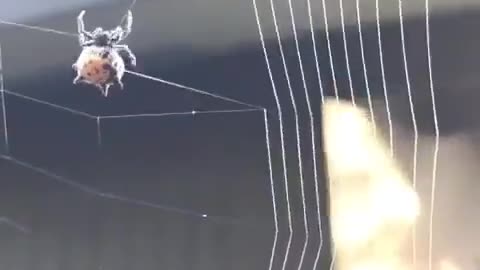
<point>78,79</point>
<point>81,24</point>
<point>118,82</point>
<point>82,33</point>
<point>127,54</point>
<point>81,39</point>
<point>126,26</point>
<point>103,88</point>
<point>115,80</point>
<point>107,87</point>
<point>87,43</point>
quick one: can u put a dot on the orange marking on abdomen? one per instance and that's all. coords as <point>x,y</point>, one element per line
<point>94,72</point>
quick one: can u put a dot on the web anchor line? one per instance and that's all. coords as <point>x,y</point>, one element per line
<point>298,141</point>
<point>167,114</point>
<point>98,119</point>
<point>312,137</point>
<point>437,135</point>
<point>4,106</point>
<point>37,28</point>
<point>176,113</point>
<point>384,79</point>
<point>111,196</point>
<point>414,124</point>
<point>314,160</point>
<point>5,124</point>
<point>53,105</point>
<point>157,79</point>
<point>282,144</point>
<point>337,99</point>
<point>364,66</point>
<point>13,224</point>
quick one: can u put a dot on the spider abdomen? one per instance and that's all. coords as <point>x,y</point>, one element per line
<point>99,65</point>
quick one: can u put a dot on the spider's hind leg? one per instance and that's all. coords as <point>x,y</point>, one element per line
<point>103,89</point>
<point>115,80</point>
<point>107,87</point>
<point>118,82</point>
<point>78,79</point>
<point>127,55</point>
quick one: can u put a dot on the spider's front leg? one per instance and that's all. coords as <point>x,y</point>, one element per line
<point>78,79</point>
<point>82,33</point>
<point>87,43</point>
<point>127,55</point>
<point>81,24</point>
<point>126,27</point>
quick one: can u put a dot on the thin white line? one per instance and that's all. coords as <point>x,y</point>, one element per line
<point>148,115</point>
<point>364,64</point>
<point>9,222</point>
<point>329,48</point>
<point>49,104</point>
<point>315,169</point>
<point>332,70</point>
<point>2,82</point>
<point>38,28</point>
<point>4,106</point>
<point>345,48</point>
<point>384,80</point>
<point>93,191</point>
<point>156,79</point>
<point>282,136</point>
<point>5,125</point>
<point>412,112</point>
<point>99,132</point>
<point>334,256</point>
<point>297,135</point>
<point>130,7</point>
<point>272,185</point>
<point>315,53</point>
<point>176,113</point>
<point>437,135</point>
<point>312,132</point>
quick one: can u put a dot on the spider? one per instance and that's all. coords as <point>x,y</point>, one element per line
<point>103,60</point>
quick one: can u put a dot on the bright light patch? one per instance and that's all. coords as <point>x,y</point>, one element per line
<point>373,205</point>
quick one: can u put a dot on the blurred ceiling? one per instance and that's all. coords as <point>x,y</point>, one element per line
<point>209,24</point>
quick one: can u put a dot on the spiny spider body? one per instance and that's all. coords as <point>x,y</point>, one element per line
<point>103,60</point>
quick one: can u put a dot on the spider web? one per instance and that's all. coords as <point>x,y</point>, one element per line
<point>340,58</point>
<point>125,158</point>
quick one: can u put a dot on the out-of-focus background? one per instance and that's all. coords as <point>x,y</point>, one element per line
<point>216,164</point>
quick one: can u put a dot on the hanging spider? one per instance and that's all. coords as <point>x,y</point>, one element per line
<point>103,60</point>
